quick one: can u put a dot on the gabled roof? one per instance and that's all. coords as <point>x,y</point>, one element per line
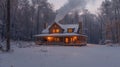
<point>64,27</point>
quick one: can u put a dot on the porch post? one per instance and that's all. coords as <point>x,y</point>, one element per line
<point>63,40</point>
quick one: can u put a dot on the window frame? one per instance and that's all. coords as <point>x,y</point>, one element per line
<point>70,30</point>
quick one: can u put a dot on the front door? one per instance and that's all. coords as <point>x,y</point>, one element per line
<point>66,40</point>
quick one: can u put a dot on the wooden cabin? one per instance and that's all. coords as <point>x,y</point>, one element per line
<point>60,34</point>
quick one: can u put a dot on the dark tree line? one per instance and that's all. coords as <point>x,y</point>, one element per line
<point>109,19</point>
<point>27,17</point>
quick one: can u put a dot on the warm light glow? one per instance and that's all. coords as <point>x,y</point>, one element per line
<point>56,31</point>
<point>49,39</point>
<point>66,40</point>
<point>71,39</point>
<point>70,30</point>
<point>74,38</point>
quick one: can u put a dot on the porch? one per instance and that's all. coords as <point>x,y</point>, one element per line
<point>73,40</point>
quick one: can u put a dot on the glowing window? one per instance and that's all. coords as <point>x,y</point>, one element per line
<point>70,30</point>
<point>49,39</point>
<point>56,31</point>
<point>66,40</point>
<point>74,38</point>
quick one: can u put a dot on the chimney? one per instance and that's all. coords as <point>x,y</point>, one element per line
<point>80,28</point>
<point>45,25</point>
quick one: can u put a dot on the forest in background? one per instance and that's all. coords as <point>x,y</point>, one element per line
<point>29,18</point>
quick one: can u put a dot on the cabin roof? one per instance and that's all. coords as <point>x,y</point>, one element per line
<point>64,27</point>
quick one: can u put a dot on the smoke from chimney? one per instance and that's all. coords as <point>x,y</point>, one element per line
<point>72,4</point>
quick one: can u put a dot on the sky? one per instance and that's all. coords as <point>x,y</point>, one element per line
<point>92,5</point>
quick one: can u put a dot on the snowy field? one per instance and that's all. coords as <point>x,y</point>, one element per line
<point>62,56</point>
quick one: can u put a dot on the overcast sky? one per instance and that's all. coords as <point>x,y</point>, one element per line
<point>92,5</point>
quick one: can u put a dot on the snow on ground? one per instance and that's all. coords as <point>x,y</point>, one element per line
<point>62,56</point>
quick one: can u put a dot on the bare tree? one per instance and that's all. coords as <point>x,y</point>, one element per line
<point>8,27</point>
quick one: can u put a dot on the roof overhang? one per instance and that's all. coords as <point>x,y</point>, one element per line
<point>59,35</point>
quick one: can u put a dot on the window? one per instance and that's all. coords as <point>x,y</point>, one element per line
<point>56,30</point>
<point>49,39</point>
<point>75,38</point>
<point>70,30</point>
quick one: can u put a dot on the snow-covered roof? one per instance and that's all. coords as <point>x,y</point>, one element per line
<point>62,34</point>
<point>74,26</point>
<point>64,27</point>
